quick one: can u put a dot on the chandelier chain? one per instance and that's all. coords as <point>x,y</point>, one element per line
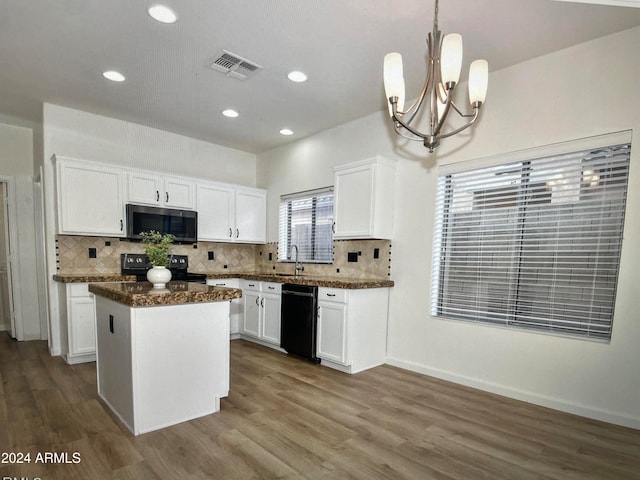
<point>435,18</point>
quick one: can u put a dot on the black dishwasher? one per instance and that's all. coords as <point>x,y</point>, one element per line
<point>298,320</point>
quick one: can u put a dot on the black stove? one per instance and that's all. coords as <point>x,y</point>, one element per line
<point>137,264</point>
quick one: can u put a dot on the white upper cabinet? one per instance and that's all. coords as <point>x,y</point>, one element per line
<point>363,202</point>
<point>148,188</point>
<point>216,210</point>
<point>231,214</point>
<point>251,216</point>
<point>90,198</point>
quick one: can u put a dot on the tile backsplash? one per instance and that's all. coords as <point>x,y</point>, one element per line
<point>74,257</point>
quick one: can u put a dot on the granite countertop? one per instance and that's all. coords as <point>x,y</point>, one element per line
<point>312,280</point>
<point>142,294</point>
<point>92,277</point>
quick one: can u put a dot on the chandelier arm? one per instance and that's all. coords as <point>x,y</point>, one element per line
<point>407,127</point>
<point>396,127</point>
<point>443,117</point>
<point>467,125</point>
<point>465,115</point>
<point>417,104</point>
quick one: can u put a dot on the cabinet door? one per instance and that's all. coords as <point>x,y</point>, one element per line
<point>332,330</point>
<point>215,213</point>
<point>90,199</point>
<point>114,365</point>
<point>179,193</point>
<point>270,304</point>
<point>82,325</point>
<point>251,324</point>
<point>144,189</point>
<point>251,216</point>
<point>353,210</point>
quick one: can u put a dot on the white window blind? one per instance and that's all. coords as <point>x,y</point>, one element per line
<point>306,220</point>
<point>533,243</point>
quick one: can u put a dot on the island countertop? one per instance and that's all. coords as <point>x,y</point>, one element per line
<point>142,294</point>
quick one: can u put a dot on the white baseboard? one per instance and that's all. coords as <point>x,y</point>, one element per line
<point>526,396</point>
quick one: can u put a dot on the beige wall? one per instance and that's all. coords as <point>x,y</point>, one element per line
<point>586,90</point>
<point>16,150</point>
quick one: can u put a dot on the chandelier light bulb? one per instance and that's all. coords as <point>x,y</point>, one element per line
<point>478,81</point>
<point>451,58</point>
<point>394,79</point>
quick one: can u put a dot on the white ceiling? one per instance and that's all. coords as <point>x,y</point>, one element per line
<point>56,50</point>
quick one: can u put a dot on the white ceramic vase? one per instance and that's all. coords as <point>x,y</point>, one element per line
<point>159,276</point>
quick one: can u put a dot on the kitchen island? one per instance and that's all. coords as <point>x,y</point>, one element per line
<point>162,354</point>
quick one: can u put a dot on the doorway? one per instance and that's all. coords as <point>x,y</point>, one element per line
<point>7,316</point>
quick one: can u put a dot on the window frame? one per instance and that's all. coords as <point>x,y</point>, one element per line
<point>284,235</point>
<point>443,221</point>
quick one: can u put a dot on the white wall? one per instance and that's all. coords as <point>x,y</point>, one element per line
<point>83,135</point>
<point>579,92</point>
<point>16,167</point>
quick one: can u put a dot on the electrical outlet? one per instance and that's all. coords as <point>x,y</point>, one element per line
<point>195,245</point>
<point>92,253</point>
<point>210,255</point>
<point>107,243</point>
<point>270,256</point>
<point>352,257</point>
<point>376,253</point>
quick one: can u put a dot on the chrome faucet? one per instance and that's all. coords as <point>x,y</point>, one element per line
<point>298,268</point>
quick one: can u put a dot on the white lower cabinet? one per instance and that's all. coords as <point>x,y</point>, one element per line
<point>270,304</point>
<point>352,328</point>
<point>237,305</point>
<point>78,313</point>
<point>261,316</point>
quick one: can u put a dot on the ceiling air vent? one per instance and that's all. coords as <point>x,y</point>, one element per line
<point>234,66</point>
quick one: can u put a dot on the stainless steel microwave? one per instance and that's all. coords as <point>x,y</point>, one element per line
<point>182,224</point>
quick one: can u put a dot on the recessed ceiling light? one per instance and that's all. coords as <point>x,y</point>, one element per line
<point>162,14</point>
<point>286,131</point>
<point>297,76</point>
<point>113,76</point>
<point>230,113</point>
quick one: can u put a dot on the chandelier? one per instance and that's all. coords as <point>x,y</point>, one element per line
<point>443,73</point>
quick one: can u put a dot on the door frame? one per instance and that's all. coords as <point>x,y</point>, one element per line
<point>17,326</point>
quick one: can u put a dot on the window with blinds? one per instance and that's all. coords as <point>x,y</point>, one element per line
<point>306,220</point>
<point>533,243</point>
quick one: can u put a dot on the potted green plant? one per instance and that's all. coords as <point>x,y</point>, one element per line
<point>157,248</point>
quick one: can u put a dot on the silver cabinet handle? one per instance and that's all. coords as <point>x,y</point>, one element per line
<point>257,302</point>
<point>167,198</point>
<point>331,294</point>
<point>157,195</point>
<point>237,232</point>
<point>271,288</point>
<point>121,225</point>
<point>230,232</point>
<point>262,303</point>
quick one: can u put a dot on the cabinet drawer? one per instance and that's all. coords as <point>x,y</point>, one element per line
<point>272,287</point>
<point>250,285</point>
<point>332,295</point>
<point>223,282</point>
<point>78,290</point>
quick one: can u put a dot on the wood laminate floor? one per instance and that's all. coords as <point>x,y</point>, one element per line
<point>287,418</point>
